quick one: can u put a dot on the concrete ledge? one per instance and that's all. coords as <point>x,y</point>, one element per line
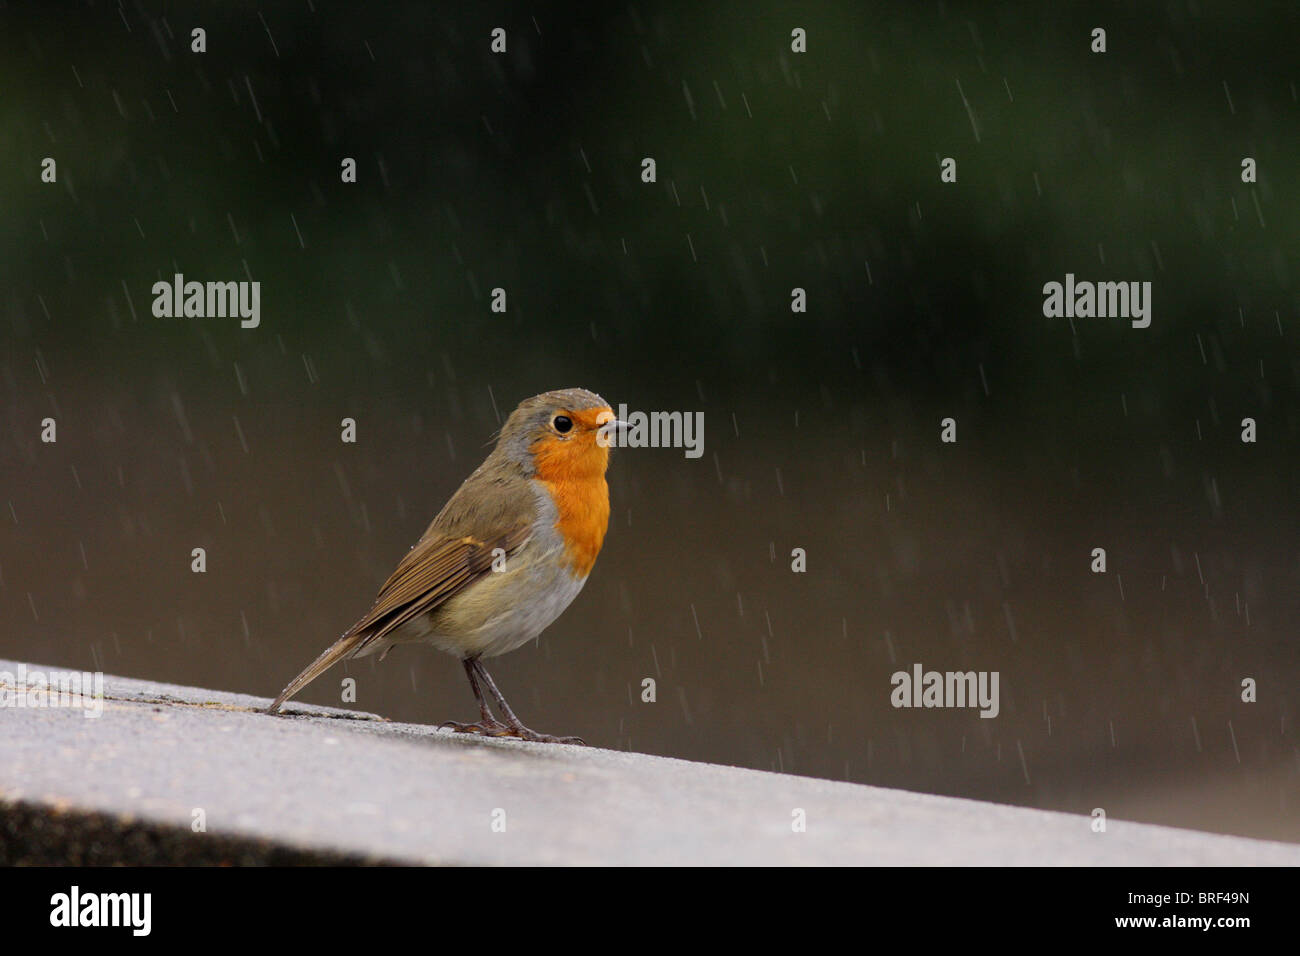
<point>331,786</point>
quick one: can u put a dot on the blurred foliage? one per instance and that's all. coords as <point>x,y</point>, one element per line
<point>521,171</point>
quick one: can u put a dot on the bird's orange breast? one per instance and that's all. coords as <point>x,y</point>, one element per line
<point>573,472</point>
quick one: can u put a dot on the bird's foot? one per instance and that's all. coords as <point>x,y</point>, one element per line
<point>483,728</point>
<point>523,733</point>
<point>494,728</point>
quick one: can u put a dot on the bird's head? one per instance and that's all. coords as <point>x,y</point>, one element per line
<point>560,435</point>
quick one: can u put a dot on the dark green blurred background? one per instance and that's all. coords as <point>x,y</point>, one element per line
<point>776,170</point>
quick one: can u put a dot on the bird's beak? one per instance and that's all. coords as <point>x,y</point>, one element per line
<point>609,432</point>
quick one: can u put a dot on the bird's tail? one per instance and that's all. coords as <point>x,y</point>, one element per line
<point>345,646</point>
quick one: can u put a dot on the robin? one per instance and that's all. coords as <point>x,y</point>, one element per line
<point>505,556</point>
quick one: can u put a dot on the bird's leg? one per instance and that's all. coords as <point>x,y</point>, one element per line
<point>515,725</point>
<point>487,726</point>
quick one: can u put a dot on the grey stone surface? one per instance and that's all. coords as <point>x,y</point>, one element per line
<point>341,782</point>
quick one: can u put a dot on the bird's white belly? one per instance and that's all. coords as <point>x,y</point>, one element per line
<point>506,609</point>
<point>527,620</point>
<point>496,617</point>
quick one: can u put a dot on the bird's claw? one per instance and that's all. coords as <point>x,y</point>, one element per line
<point>523,733</point>
<point>481,729</point>
<point>497,729</point>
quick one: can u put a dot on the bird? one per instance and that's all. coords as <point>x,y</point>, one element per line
<point>504,558</point>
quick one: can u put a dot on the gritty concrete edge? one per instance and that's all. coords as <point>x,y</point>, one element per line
<point>42,834</point>
<point>84,837</point>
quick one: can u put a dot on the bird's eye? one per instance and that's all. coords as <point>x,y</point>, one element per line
<point>562,423</point>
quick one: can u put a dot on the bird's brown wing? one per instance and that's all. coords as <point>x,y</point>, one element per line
<point>493,509</point>
<point>437,567</point>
